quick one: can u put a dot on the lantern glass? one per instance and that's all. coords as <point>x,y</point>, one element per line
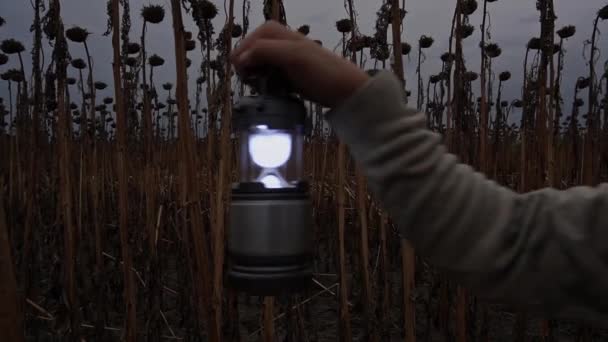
<point>272,157</point>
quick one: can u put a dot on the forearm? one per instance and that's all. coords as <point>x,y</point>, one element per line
<point>503,245</point>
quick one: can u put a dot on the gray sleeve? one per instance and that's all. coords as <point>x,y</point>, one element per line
<point>546,251</point>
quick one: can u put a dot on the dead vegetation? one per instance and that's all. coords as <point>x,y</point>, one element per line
<point>113,213</point>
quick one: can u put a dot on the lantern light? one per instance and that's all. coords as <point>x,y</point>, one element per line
<point>270,150</point>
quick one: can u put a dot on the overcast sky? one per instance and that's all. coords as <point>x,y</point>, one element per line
<point>513,22</point>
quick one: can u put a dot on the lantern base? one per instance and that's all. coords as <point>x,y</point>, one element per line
<point>270,281</point>
<point>270,243</point>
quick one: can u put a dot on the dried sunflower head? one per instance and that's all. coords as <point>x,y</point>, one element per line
<point>304,29</point>
<point>447,58</point>
<point>405,48</point>
<point>466,30</point>
<point>425,42</point>
<point>77,34</point>
<point>504,76</point>
<point>237,31</point>
<point>131,61</point>
<point>108,100</point>
<point>78,63</point>
<point>167,86</point>
<point>534,43</point>
<point>566,32</point>
<point>344,25</point>
<point>471,76</point>
<point>153,14</point>
<point>3,59</point>
<point>359,43</point>
<point>603,13</point>
<point>11,46</point>
<point>204,9</point>
<point>190,45</point>
<point>469,7</point>
<point>100,85</point>
<point>493,50</point>
<point>583,82</point>
<point>133,48</point>
<point>156,61</point>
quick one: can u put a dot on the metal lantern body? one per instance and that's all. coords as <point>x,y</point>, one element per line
<point>270,235</point>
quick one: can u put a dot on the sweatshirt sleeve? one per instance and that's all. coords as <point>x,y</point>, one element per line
<point>544,251</point>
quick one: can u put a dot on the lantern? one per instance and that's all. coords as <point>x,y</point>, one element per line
<point>270,235</point>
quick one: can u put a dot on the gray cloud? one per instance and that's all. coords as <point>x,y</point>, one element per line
<point>528,19</point>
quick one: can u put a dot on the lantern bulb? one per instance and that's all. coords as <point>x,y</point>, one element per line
<point>271,182</point>
<point>270,150</point>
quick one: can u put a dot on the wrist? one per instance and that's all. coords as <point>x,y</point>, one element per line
<point>352,82</point>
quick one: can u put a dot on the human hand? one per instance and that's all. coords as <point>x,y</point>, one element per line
<point>315,72</point>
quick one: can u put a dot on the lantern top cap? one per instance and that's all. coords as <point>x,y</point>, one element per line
<point>270,112</point>
<point>273,106</point>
